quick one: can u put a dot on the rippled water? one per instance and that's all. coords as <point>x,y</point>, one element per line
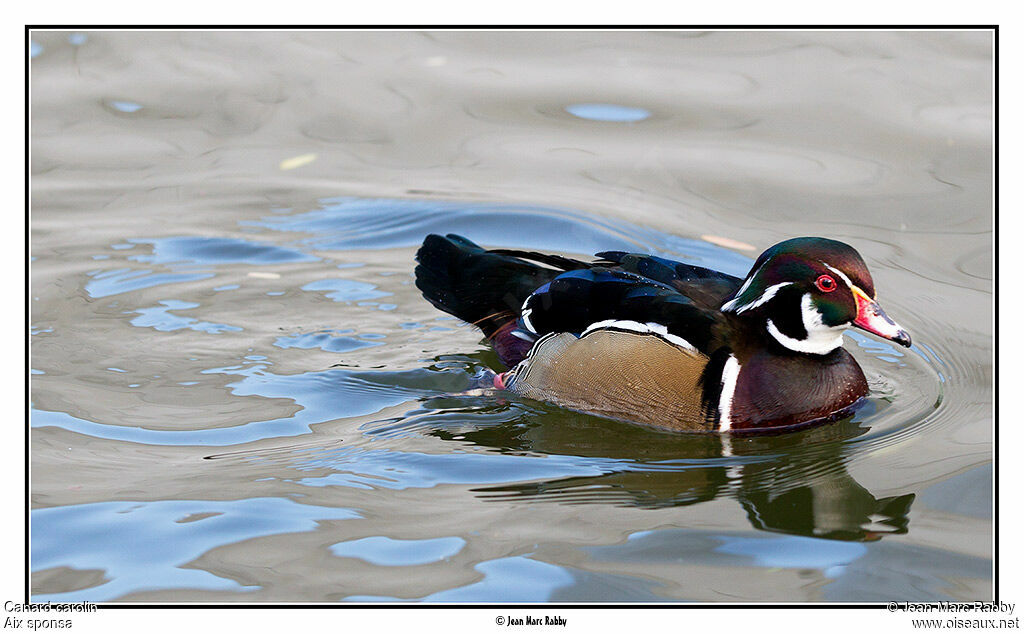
<point>239,395</point>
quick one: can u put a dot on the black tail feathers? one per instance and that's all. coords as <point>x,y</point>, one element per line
<point>477,286</point>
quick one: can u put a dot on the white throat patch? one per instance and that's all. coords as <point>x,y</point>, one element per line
<point>821,339</point>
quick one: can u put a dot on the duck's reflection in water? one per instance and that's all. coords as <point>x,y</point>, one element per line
<point>794,483</point>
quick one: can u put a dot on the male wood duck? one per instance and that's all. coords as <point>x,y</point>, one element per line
<point>650,340</point>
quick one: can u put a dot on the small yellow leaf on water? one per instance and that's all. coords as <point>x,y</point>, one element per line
<point>297,161</point>
<point>729,243</point>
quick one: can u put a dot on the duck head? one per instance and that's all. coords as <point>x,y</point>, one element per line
<point>806,291</point>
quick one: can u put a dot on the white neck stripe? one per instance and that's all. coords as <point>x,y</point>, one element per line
<point>730,375</point>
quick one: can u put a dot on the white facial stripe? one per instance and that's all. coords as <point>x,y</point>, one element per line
<point>765,296</point>
<point>648,328</point>
<point>743,289</point>
<point>730,374</point>
<point>821,339</point>
<point>840,274</point>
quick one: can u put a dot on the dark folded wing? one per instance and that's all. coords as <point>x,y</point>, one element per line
<point>577,300</point>
<point>707,288</point>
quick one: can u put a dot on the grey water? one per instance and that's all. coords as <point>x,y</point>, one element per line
<point>237,393</point>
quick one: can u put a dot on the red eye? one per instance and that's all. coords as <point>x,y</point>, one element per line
<point>825,284</point>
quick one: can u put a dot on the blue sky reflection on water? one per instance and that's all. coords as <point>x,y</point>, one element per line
<point>608,112</point>
<point>386,551</point>
<point>125,106</point>
<point>510,579</point>
<point>142,545</point>
<point>794,551</point>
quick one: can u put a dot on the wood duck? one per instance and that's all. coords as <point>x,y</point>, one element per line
<point>649,340</point>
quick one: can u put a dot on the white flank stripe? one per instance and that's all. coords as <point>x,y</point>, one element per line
<point>606,323</point>
<point>648,328</point>
<point>663,332</point>
<point>730,374</point>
